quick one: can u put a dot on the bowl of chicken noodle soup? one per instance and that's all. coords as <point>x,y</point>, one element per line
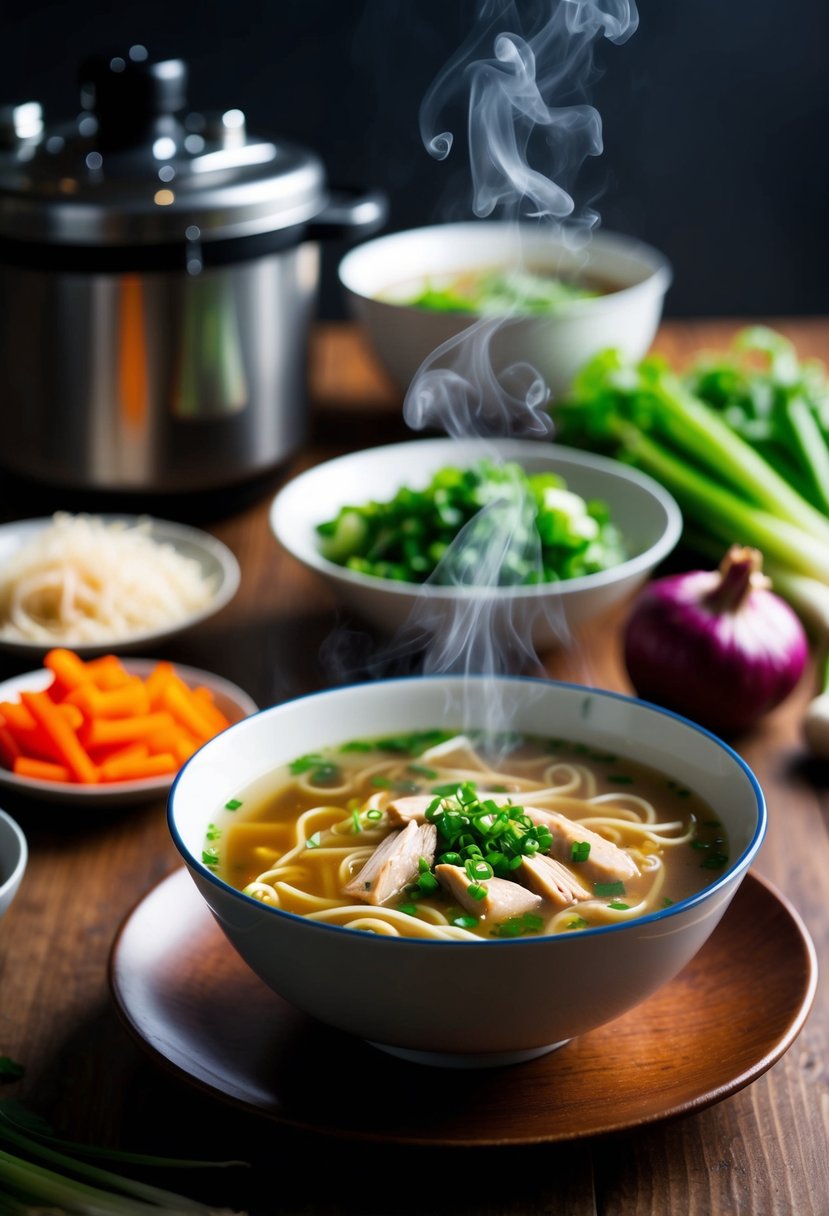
<point>466,871</point>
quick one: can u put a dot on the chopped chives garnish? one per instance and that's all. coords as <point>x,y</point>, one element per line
<point>603,889</point>
<point>667,902</point>
<point>409,909</point>
<point>450,859</point>
<point>355,819</point>
<point>476,891</point>
<point>233,804</point>
<point>464,921</point>
<point>313,842</point>
<point>580,850</point>
<point>213,833</point>
<point>374,814</point>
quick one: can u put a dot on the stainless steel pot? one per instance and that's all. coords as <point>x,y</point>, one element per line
<point>159,270</point>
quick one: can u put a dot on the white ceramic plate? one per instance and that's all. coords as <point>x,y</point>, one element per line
<point>545,614</point>
<point>215,560</point>
<point>230,699</point>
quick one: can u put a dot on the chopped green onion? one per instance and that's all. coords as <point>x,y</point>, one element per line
<point>374,814</point>
<point>233,804</point>
<point>313,841</point>
<point>578,922</point>
<point>618,906</point>
<point>355,819</point>
<point>476,891</point>
<point>210,857</point>
<point>580,850</point>
<point>605,889</point>
<point>213,833</point>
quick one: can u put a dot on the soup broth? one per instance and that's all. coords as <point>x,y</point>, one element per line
<point>504,836</point>
<point>500,291</point>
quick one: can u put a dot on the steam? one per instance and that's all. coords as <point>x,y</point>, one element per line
<point>515,95</point>
<point>522,77</point>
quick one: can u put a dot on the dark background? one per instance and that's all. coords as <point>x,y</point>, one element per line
<point>714,112</point>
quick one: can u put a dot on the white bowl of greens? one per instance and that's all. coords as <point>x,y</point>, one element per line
<point>400,535</point>
<point>416,291</point>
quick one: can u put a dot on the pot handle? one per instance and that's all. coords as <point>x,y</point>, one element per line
<point>349,213</point>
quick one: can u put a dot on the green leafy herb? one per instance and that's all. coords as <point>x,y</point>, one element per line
<point>210,857</point>
<point>518,926</point>
<point>578,922</point>
<point>547,532</point>
<point>618,906</point>
<point>233,804</point>
<point>608,889</point>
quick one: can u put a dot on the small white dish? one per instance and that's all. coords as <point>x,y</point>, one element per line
<point>14,856</point>
<point>216,563</point>
<point>541,615</point>
<point>229,698</point>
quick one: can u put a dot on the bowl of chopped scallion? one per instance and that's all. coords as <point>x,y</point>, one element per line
<point>525,538</point>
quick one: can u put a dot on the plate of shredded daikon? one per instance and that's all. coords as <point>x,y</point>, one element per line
<point>99,583</point>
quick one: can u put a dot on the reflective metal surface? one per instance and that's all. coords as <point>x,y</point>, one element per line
<point>163,382</point>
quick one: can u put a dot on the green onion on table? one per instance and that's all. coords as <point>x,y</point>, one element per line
<point>41,1173</point>
<point>490,524</point>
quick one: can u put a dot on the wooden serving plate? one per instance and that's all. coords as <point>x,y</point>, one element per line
<point>738,1006</point>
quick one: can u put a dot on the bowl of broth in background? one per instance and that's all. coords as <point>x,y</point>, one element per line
<point>555,303</point>
<point>466,871</point>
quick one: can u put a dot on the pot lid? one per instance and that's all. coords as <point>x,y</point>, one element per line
<point>137,167</point>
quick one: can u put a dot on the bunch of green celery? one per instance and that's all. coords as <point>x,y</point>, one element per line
<point>741,440</point>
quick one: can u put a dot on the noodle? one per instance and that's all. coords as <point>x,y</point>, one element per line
<point>338,807</point>
<point>83,579</point>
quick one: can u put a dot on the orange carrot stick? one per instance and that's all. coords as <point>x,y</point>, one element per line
<point>107,672</point>
<point>176,740</point>
<point>176,698</point>
<point>66,742</point>
<point>134,768</point>
<point>209,708</point>
<point>104,732</point>
<point>156,681</point>
<point>41,770</point>
<point>129,698</point>
<point>68,668</point>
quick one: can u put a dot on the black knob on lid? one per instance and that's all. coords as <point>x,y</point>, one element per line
<point>131,95</point>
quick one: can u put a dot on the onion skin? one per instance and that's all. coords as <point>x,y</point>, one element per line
<point>717,646</point>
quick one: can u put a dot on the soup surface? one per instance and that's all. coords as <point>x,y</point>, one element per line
<point>499,291</point>
<point>466,836</point>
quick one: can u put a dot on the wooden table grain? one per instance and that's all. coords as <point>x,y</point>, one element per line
<point>764,1151</point>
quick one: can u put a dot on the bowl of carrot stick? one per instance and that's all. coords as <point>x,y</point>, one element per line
<point>109,729</point>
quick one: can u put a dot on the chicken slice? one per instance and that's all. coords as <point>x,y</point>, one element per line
<point>456,752</point>
<point>550,878</point>
<point>415,806</point>
<point>606,862</point>
<point>394,863</point>
<point>503,898</point>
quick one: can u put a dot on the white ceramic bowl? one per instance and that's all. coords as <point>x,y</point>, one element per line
<point>451,1002</point>
<point>378,275</point>
<point>542,615</point>
<point>14,856</point>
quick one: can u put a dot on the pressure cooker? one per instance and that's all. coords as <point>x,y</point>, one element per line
<point>159,272</point>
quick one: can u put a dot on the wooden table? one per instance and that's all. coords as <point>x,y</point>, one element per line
<point>763,1150</point>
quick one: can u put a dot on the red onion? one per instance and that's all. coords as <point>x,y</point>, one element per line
<point>718,646</point>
